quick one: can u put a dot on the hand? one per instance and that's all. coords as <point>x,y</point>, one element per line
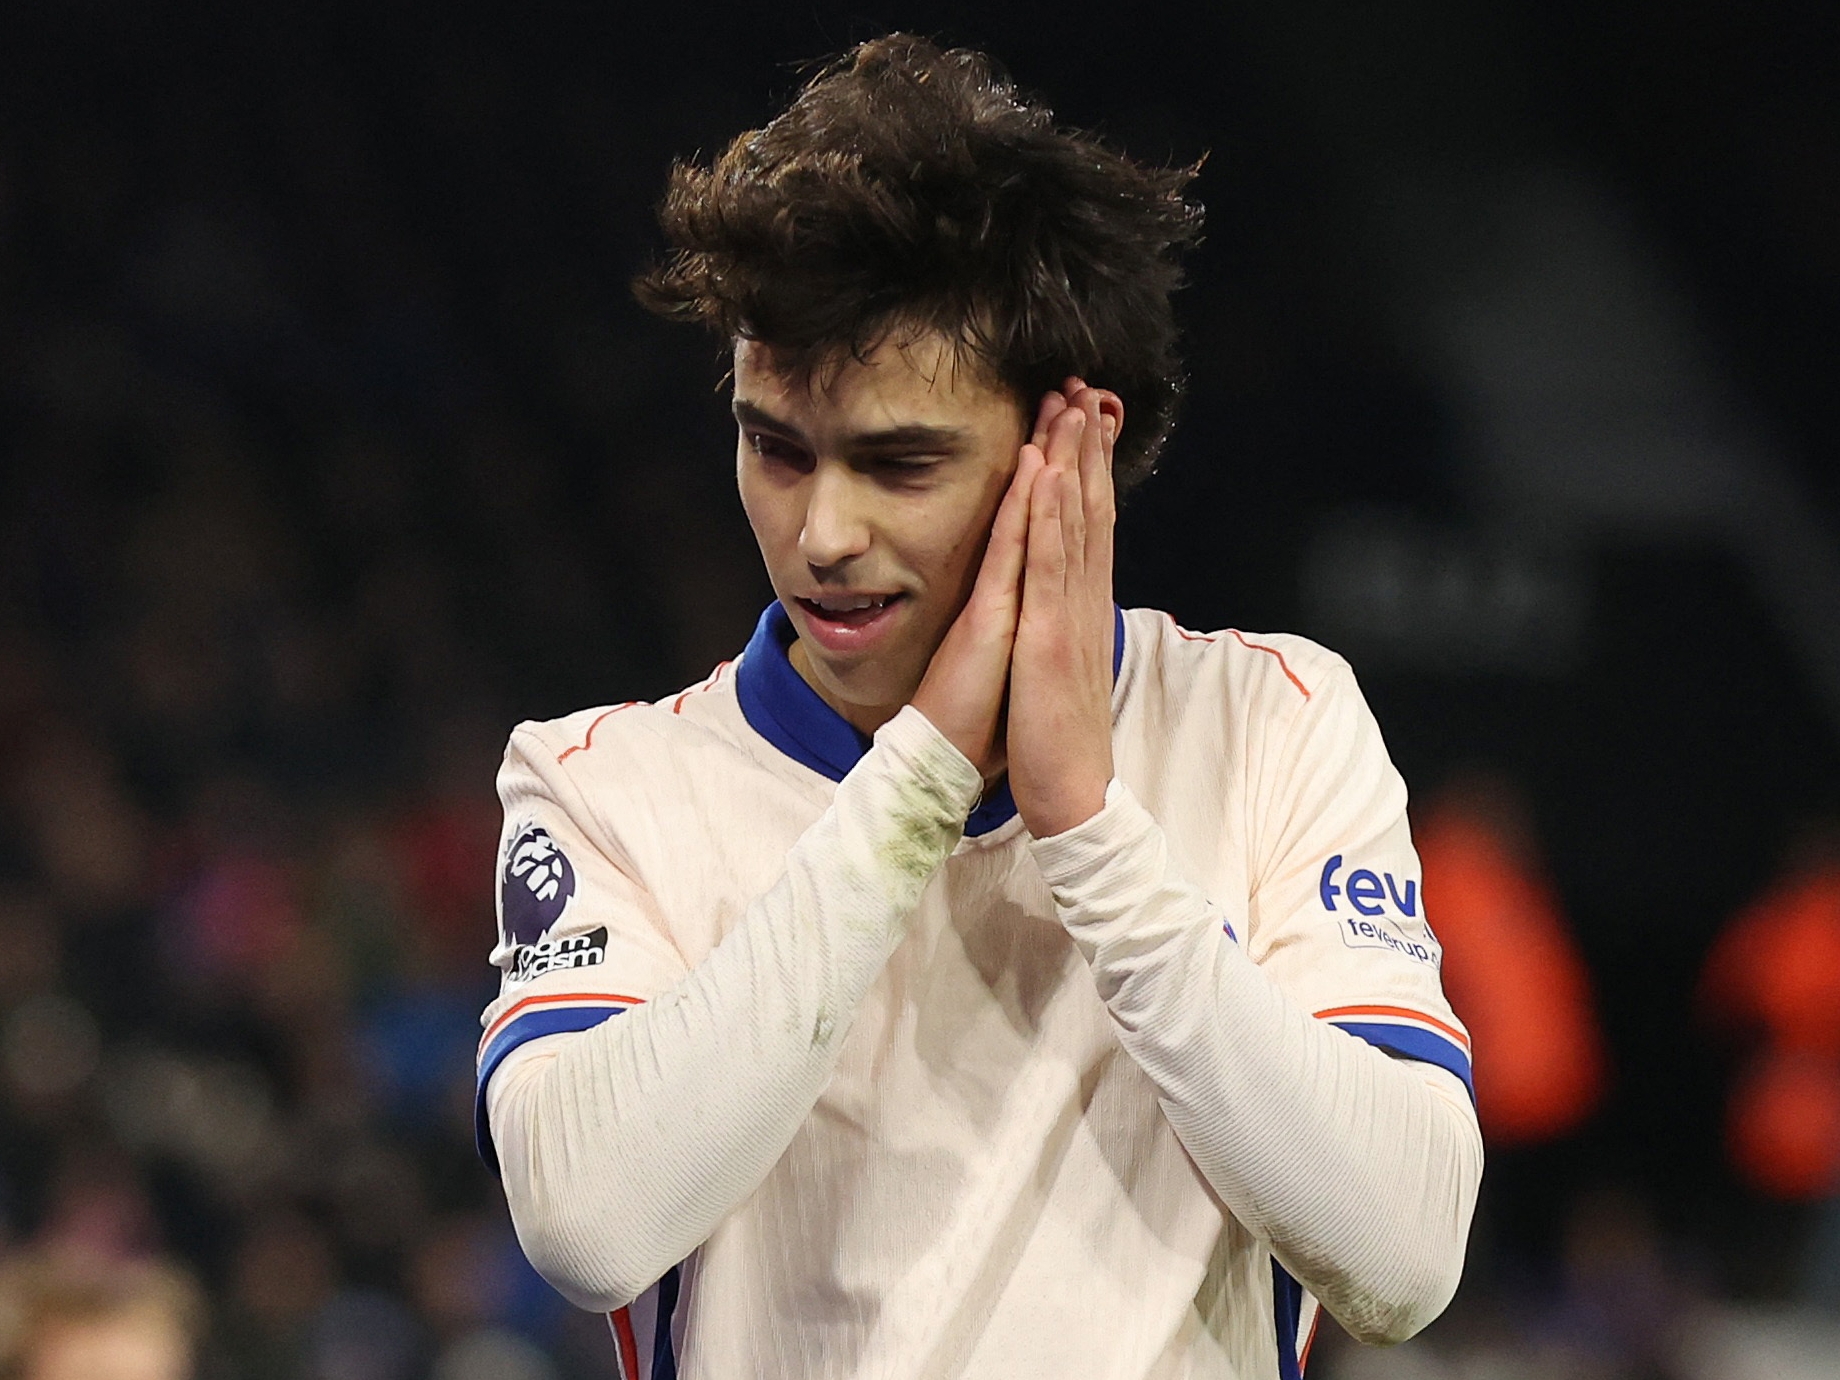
<point>962,691</point>
<point>1060,700</point>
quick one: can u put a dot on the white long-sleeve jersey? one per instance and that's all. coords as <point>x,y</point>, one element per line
<point>894,1093</point>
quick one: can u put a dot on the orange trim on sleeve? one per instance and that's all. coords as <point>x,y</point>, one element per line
<point>588,741</point>
<point>620,1320</point>
<point>551,1000</point>
<point>1400,1011</point>
<point>709,683</point>
<point>1273,651</point>
<point>1303,1357</point>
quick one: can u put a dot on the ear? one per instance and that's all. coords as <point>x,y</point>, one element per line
<point>1111,405</point>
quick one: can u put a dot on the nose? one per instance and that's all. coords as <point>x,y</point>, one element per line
<point>836,527</point>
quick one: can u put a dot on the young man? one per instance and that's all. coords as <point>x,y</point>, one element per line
<point>1006,985</point>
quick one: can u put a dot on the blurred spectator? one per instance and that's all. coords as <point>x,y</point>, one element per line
<point>68,1317</point>
<point>98,1210</point>
<point>1511,967</point>
<point>282,1275</point>
<point>1774,977</point>
<point>1622,1299</point>
<point>1621,1304</point>
<point>445,844</point>
<point>90,839</point>
<point>492,1354</point>
<point>363,1334</point>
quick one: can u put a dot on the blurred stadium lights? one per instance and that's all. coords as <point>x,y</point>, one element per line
<point>1591,407</point>
<point>1393,591</point>
<point>1589,414</point>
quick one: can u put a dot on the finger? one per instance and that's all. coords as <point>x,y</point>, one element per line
<point>1073,499</point>
<point>1064,432</point>
<point>1004,555</point>
<point>1111,405</point>
<point>1073,521</point>
<point>1045,576</point>
<point>1105,412</point>
<point>1072,506</point>
<point>1052,405</point>
<point>1095,448</point>
<point>1101,520</point>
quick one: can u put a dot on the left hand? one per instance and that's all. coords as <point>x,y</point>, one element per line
<point>1060,689</point>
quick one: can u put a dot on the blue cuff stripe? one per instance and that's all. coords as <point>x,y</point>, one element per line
<point>1413,1043</point>
<point>664,1350</point>
<point>530,1026</point>
<point>1287,1311</point>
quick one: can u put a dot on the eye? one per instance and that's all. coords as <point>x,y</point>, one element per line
<point>904,468</point>
<point>775,449</point>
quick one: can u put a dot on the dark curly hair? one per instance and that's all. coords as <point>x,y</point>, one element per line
<point>909,188</point>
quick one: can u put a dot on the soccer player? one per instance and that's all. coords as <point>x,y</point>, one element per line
<point>973,979</point>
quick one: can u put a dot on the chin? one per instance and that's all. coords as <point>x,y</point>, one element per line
<point>870,692</point>
<point>865,687</point>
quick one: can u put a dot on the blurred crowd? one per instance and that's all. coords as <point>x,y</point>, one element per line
<point>244,882</point>
<point>279,566</point>
<point>318,475</point>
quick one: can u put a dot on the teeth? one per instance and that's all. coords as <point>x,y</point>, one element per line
<point>851,603</point>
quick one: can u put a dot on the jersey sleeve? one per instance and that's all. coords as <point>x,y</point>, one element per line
<point>1337,911</point>
<point>580,939</point>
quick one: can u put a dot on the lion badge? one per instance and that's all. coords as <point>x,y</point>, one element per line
<point>537,884</point>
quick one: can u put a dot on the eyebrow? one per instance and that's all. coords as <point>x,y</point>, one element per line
<point>913,436</point>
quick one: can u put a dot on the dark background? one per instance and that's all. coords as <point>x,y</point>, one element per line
<point>334,445</point>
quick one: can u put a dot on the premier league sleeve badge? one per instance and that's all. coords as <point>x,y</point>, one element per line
<point>535,889</point>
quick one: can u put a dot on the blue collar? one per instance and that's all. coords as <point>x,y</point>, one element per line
<point>782,708</point>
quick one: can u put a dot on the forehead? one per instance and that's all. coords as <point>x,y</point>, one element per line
<point>923,379</point>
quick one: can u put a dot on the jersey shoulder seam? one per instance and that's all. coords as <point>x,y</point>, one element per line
<point>585,730</point>
<point>1299,662</point>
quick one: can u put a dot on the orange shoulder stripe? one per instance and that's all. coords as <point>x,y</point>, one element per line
<point>588,741</point>
<point>1185,634</point>
<point>709,683</point>
<point>1399,1011</point>
<point>1273,651</point>
<point>1188,636</point>
<point>512,1012</point>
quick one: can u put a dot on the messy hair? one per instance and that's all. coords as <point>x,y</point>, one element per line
<point>912,189</point>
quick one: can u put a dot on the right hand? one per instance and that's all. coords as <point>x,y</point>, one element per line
<point>963,691</point>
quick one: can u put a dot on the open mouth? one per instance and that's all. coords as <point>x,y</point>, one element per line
<point>850,610</point>
<point>850,624</point>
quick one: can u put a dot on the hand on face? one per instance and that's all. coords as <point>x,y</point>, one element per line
<point>1039,623</point>
<point>1059,735</point>
<point>962,691</point>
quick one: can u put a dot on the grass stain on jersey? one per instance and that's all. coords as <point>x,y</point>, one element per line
<point>922,834</point>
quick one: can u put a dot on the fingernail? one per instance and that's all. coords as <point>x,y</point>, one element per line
<point>1109,425</point>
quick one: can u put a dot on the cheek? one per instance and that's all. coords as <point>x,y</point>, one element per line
<point>767,511</point>
<point>963,553</point>
<point>954,541</point>
<point>974,524</point>
<point>747,482</point>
